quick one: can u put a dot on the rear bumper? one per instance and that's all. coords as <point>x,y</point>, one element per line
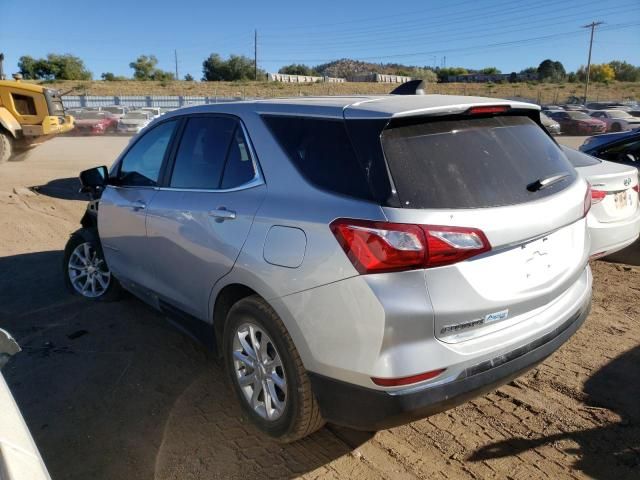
<point>367,409</point>
<point>608,238</point>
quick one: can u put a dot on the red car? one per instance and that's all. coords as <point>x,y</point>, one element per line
<point>94,123</point>
<point>578,123</point>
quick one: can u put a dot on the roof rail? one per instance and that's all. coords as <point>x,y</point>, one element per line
<point>413,87</point>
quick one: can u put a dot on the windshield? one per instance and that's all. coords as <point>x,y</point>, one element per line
<point>136,116</point>
<point>471,163</point>
<point>579,115</point>
<point>619,114</point>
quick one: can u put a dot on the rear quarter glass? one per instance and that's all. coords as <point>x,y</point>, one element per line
<point>473,162</point>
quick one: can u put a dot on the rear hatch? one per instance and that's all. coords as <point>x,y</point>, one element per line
<point>494,174</point>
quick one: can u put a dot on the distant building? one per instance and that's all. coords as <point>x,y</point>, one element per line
<point>378,78</point>
<point>492,77</point>
<point>286,78</point>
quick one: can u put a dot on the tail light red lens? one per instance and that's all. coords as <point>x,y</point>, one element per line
<point>597,196</point>
<point>376,247</point>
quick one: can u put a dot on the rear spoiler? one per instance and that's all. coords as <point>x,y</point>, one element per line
<point>413,87</point>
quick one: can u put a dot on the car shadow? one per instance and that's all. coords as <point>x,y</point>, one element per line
<point>111,390</point>
<point>62,188</point>
<point>610,451</point>
<point>629,255</point>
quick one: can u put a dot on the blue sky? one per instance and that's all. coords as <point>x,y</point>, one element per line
<point>510,35</point>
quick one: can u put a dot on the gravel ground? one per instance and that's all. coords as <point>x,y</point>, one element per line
<point>113,391</point>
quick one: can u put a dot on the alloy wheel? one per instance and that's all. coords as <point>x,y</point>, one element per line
<point>259,371</point>
<point>88,273</point>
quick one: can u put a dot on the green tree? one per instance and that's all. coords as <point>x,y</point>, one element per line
<point>551,71</point>
<point>625,72</point>
<point>110,77</point>
<point>188,77</point>
<point>144,68</point>
<point>237,67</point>
<point>27,66</point>
<point>53,67</point>
<point>490,71</point>
<point>298,69</point>
<point>444,73</point>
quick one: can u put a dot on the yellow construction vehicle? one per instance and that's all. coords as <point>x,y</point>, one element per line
<point>29,115</point>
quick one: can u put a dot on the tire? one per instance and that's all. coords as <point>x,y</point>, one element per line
<point>616,127</point>
<point>299,415</point>
<point>6,146</point>
<point>99,284</point>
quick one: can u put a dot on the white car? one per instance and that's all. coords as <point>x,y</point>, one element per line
<point>614,218</point>
<point>19,456</point>
<point>115,110</point>
<point>134,122</point>
<point>154,111</point>
<point>617,120</point>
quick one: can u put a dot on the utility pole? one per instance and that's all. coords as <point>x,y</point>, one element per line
<point>592,26</point>
<point>175,54</point>
<point>255,54</point>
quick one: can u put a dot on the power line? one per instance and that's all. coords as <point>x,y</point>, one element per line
<point>444,38</point>
<point>592,26</point>
<point>524,41</point>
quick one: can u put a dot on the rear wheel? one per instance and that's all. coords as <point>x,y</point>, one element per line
<point>616,127</point>
<point>266,372</point>
<point>6,146</point>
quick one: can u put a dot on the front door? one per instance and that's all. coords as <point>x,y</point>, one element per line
<point>123,205</point>
<point>199,222</point>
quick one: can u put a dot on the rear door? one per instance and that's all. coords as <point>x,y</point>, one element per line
<point>198,221</point>
<point>124,203</point>
<point>506,177</point>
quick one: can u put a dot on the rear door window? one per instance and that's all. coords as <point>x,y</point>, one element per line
<point>473,162</point>
<point>321,151</point>
<point>202,152</point>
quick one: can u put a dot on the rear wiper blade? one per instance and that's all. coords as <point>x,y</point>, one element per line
<point>546,182</point>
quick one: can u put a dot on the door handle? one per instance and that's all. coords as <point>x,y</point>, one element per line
<point>221,214</point>
<point>138,205</point>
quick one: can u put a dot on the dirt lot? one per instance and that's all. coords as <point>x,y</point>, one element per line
<point>112,391</point>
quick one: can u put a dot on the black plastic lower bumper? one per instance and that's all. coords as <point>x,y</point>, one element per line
<point>362,408</point>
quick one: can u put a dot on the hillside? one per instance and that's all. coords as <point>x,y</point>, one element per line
<point>544,93</point>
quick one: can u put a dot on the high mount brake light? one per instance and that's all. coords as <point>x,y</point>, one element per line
<point>488,109</point>
<point>376,247</point>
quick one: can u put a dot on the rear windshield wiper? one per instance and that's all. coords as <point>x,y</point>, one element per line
<point>546,182</point>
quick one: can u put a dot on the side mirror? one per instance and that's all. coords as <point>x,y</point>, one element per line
<point>94,180</point>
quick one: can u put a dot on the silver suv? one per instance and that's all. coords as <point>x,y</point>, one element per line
<point>365,261</point>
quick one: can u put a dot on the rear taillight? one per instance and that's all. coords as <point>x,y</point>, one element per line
<point>375,247</point>
<point>597,196</point>
<point>586,205</point>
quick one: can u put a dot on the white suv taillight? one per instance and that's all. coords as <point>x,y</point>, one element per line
<point>375,247</point>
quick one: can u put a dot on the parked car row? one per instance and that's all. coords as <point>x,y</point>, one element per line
<point>113,119</point>
<point>593,118</point>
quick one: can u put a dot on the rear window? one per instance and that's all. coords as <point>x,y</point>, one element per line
<point>321,151</point>
<point>473,162</point>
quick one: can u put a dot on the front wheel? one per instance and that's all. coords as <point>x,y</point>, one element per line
<point>266,372</point>
<point>85,269</point>
<point>616,127</point>
<point>6,146</point>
